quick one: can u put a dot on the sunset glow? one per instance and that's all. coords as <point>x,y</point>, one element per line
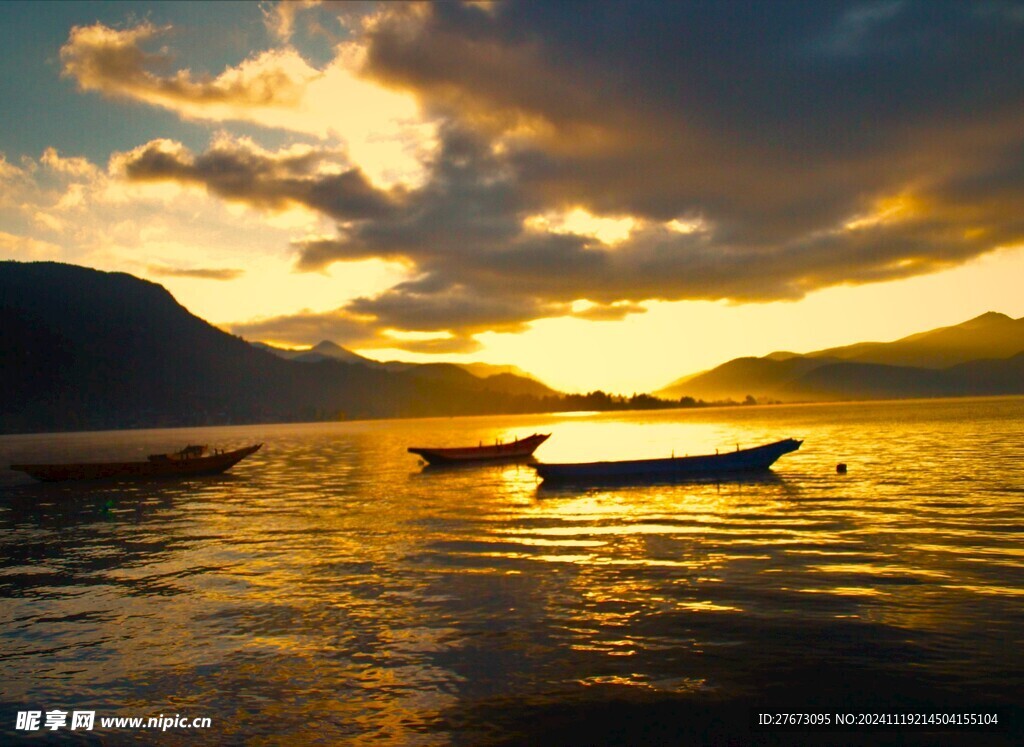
<point>428,183</point>
<point>578,221</point>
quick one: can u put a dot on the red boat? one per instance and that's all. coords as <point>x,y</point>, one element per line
<point>518,449</point>
<point>190,461</point>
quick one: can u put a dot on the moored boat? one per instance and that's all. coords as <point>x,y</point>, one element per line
<point>190,461</point>
<point>517,449</point>
<point>754,459</point>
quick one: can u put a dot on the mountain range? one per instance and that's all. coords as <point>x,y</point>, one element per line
<point>501,377</point>
<point>89,350</point>
<point>982,356</point>
<point>325,350</point>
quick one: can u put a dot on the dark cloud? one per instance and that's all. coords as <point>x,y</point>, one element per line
<point>309,328</point>
<point>743,111</point>
<point>351,329</point>
<point>239,171</point>
<point>808,144</point>
<point>433,305</point>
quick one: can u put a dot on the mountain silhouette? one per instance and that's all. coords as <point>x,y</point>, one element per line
<point>991,335</point>
<point>508,379</point>
<point>88,350</point>
<point>323,350</point>
<point>978,357</point>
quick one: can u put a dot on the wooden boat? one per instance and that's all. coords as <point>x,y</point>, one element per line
<point>190,461</point>
<point>755,459</point>
<point>518,449</point>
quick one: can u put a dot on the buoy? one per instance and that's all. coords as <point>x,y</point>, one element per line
<point>841,468</point>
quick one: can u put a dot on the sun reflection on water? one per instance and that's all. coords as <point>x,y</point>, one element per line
<point>335,588</point>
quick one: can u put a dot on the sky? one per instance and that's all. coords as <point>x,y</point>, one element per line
<point>608,195</point>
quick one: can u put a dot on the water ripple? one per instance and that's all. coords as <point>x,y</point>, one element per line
<point>331,589</point>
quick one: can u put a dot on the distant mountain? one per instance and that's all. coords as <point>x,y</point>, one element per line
<point>517,384</point>
<point>509,379</point>
<point>979,356</point>
<point>759,377</point>
<point>484,370</point>
<point>990,335</point>
<point>89,350</point>
<point>325,350</point>
<point>877,381</point>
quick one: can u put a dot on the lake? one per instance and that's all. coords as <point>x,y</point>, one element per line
<point>331,591</point>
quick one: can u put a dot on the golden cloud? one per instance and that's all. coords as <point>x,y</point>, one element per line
<point>200,273</point>
<point>381,128</point>
<point>627,157</point>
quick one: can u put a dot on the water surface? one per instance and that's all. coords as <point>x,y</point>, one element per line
<point>330,589</point>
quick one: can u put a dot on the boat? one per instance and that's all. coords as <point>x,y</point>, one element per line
<point>518,449</point>
<point>190,461</point>
<point>758,458</point>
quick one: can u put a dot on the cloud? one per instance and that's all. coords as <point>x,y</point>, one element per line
<point>858,26</point>
<point>308,327</point>
<point>26,248</point>
<point>200,273</point>
<point>274,88</point>
<point>483,265</point>
<point>47,195</point>
<point>453,345</point>
<point>279,19</point>
<point>612,312</point>
<point>650,151</point>
<point>67,208</point>
<point>113,62</point>
<point>425,305</point>
<point>654,112</point>
<point>239,170</point>
<point>353,330</point>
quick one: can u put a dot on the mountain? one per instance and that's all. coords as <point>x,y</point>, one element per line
<point>509,379</point>
<point>759,377</point>
<point>518,384</point>
<point>89,350</point>
<point>484,370</point>
<point>878,381</point>
<point>979,356</point>
<point>325,350</point>
<point>990,335</point>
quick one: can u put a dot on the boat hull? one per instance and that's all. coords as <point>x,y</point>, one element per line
<point>161,468</point>
<point>519,449</point>
<point>757,459</point>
